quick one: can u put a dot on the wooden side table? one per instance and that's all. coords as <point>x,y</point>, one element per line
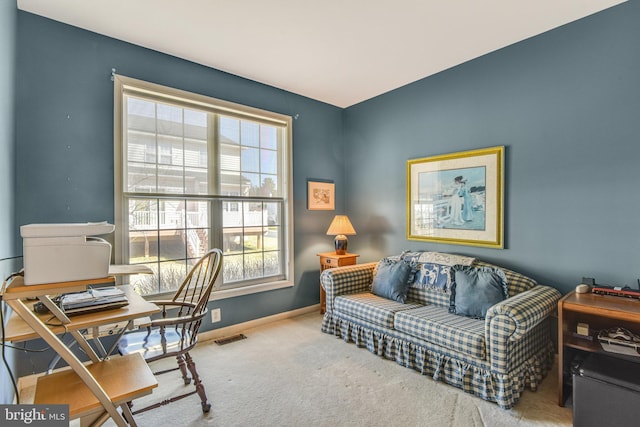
<point>599,312</point>
<point>333,260</point>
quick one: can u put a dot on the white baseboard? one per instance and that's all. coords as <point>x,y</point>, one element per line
<point>236,329</point>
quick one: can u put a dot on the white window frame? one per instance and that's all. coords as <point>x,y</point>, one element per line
<point>124,84</point>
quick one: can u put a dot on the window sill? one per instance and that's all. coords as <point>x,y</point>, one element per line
<point>247,290</point>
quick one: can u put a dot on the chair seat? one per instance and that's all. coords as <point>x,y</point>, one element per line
<point>152,345</point>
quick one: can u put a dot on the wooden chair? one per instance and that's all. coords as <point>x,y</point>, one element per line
<point>178,334</point>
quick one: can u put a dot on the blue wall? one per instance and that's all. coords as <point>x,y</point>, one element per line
<point>8,17</point>
<point>64,131</point>
<point>566,104</point>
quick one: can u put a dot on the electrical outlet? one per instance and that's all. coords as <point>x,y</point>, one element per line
<point>215,315</point>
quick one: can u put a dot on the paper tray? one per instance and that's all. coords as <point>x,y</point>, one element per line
<point>619,346</point>
<point>66,230</point>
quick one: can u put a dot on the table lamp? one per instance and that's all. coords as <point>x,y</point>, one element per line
<point>340,227</point>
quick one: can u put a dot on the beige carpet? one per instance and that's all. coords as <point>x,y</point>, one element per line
<point>288,373</point>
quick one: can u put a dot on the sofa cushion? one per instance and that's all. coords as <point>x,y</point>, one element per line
<point>516,282</point>
<point>436,325</point>
<point>428,296</point>
<point>391,279</point>
<point>475,289</point>
<point>371,308</point>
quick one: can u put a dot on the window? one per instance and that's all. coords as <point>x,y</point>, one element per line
<point>193,173</point>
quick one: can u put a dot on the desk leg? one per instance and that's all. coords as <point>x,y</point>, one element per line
<point>94,420</point>
<point>85,346</point>
<point>56,357</point>
<point>118,337</point>
<point>45,333</point>
<point>126,411</point>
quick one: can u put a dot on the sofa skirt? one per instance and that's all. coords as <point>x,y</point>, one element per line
<point>472,376</point>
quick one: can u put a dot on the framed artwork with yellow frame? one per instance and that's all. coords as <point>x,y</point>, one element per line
<point>457,198</point>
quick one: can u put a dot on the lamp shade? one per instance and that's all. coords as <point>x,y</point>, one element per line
<point>340,225</point>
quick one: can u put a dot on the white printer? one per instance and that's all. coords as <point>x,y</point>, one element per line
<point>65,252</point>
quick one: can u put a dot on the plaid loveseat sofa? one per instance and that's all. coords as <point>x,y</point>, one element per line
<point>494,358</point>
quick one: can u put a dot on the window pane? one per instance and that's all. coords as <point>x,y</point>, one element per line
<point>172,245</point>
<point>141,114</point>
<point>170,150</point>
<point>232,214</point>
<point>254,266</point>
<point>271,239</point>
<point>250,184</point>
<point>141,178</point>
<point>195,153</point>
<point>250,134</point>
<point>272,264</point>
<point>171,179</point>
<point>273,213</point>
<point>172,273</point>
<point>143,214</point>
<point>197,242</point>
<point>269,186</point>
<point>250,160</point>
<point>142,147</point>
<point>195,124</point>
<point>146,284</point>
<point>169,120</point>
<point>232,268</point>
<point>143,246</point>
<point>230,158</point>
<point>254,214</point>
<point>229,130</point>
<point>268,137</point>
<point>197,214</point>
<point>232,241</point>
<point>269,161</point>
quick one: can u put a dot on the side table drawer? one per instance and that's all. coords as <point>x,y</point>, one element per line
<point>330,262</point>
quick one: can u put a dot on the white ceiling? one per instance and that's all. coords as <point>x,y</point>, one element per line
<point>337,51</point>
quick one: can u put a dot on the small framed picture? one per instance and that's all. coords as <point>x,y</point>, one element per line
<point>321,195</point>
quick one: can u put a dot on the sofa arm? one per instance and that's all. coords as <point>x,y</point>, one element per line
<point>512,333</point>
<point>346,280</point>
<point>523,311</point>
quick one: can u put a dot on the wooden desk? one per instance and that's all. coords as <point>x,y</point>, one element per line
<point>93,390</point>
<point>17,330</point>
<point>600,312</point>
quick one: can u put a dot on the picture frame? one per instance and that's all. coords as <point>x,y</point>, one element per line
<point>457,198</point>
<point>321,195</point>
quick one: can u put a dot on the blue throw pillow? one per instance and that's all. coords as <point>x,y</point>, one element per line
<point>475,289</point>
<point>392,279</point>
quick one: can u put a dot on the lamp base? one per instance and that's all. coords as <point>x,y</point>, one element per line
<point>341,243</point>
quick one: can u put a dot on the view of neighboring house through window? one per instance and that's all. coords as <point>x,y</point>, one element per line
<point>193,173</point>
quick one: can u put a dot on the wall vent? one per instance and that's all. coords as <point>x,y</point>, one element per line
<point>229,340</point>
